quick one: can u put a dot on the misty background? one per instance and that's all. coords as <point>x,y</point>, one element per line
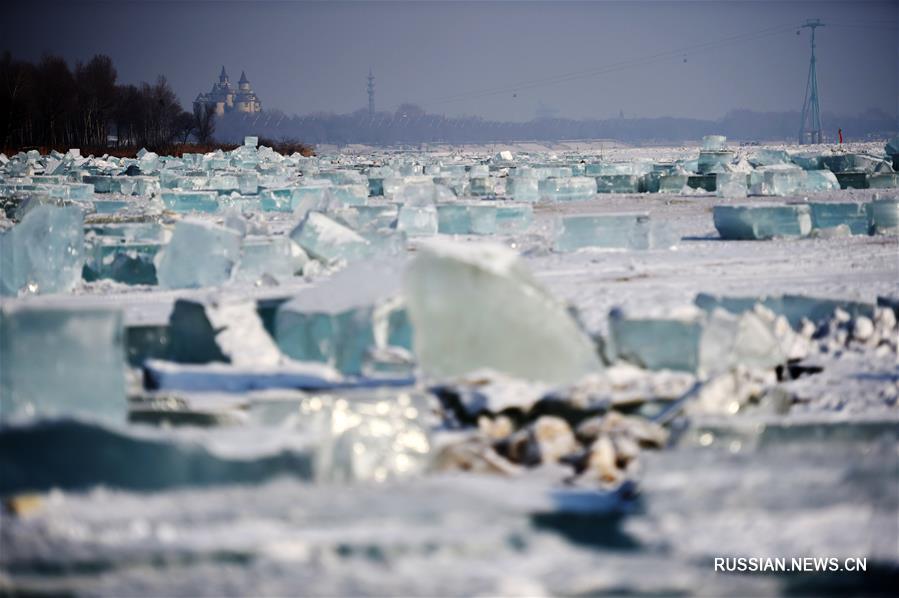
<point>466,71</point>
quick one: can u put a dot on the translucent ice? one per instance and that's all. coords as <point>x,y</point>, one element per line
<point>476,306</point>
<point>327,240</point>
<point>731,184</point>
<point>523,188</point>
<point>453,219</point>
<point>568,189</point>
<point>278,257</point>
<point>618,183</point>
<point>124,261</point>
<point>44,253</point>
<point>417,220</point>
<point>62,361</point>
<point>513,218</point>
<point>883,215</point>
<point>344,318</point>
<point>830,215</point>
<point>613,231</point>
<point>714,142</point>
<point>191,201</point>
<point>200,254</point>
<point>762,222</point>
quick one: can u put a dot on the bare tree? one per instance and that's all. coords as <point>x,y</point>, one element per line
<point>204,123</point>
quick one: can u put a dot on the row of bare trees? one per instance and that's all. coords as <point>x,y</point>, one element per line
<point>47,104</point>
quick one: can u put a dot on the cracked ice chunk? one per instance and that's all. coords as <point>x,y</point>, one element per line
<point>567,189</point>
<point>200,254</point>
<point>619,183</point>
<point>327,240</point>
<point>794,308</point>
<point>769,157</point>
<point>220,329</point>
<point>453,219</point>
<point>476,306</point>
<point>62,361</point>
<point>344,318</point>
<point>883,215</point>
<point>714,161</point>
<point>44,253</point>
<point>762,222</point>
<point>831,215</point>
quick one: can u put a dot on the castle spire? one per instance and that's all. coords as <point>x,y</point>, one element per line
<point>243,77</point>
<point>223,76</point>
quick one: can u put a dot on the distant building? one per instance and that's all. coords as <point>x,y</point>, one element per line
<point>224,98</point>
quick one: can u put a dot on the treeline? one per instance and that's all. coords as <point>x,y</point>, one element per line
<point>49,105</point>
<point>410,124</point>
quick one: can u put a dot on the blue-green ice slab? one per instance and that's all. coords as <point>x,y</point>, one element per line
<point>200,254</point>
<point>568,189</point>
<point>44,253</point>
<point>762,222</point>
<point>612,231</point>
<point>883,215</point>
<point>829,215</point>
<point>191,201</point>
<point>59,361</point>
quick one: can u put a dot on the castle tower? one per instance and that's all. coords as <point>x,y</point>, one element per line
<point>223,77</point>
<point>244,83</point>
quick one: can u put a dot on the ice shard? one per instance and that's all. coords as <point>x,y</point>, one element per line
<point>62,361</point>
<point>44,253</point>
<point>261,256</point>
<point>795,308</point>
<point>731,184</point>
<point>751,222</point>
<point>200,254</point>
<point>128,262</point>
<point>476,306</point>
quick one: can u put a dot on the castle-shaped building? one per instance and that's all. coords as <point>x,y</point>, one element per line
<point>224,98</point>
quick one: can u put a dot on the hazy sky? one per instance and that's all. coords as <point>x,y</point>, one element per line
<point>645,58</point>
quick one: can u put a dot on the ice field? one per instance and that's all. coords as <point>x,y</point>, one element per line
<point>449,371</point>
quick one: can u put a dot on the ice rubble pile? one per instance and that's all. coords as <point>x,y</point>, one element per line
<point>253,217</point>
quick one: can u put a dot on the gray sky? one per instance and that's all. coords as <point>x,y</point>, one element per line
<point>304,57</point>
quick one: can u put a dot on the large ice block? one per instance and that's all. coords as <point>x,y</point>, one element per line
<point>344,318</point>
<point>687,339</point>
<point>327,240</point>
<point>513,218</point>
<point>261,256</point>
<point>483,218</point>
<point>714,161</point>
<point>613,231</point>
<point>831,215</point>
<point>62,361</point>
<point>751,222</point>
<point>567,189</point>
<point>191,201</point>
<point>44,253</point>
<point>476,306</point>
<point>714,143</point>
<point>769,157</point>
<point>731,184</point>
<point>883,215</point>
<point>523,188</point>
<point>619,183</point>
<point>200,254</point>
<point>418,220</point>
<point>453,219</point>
